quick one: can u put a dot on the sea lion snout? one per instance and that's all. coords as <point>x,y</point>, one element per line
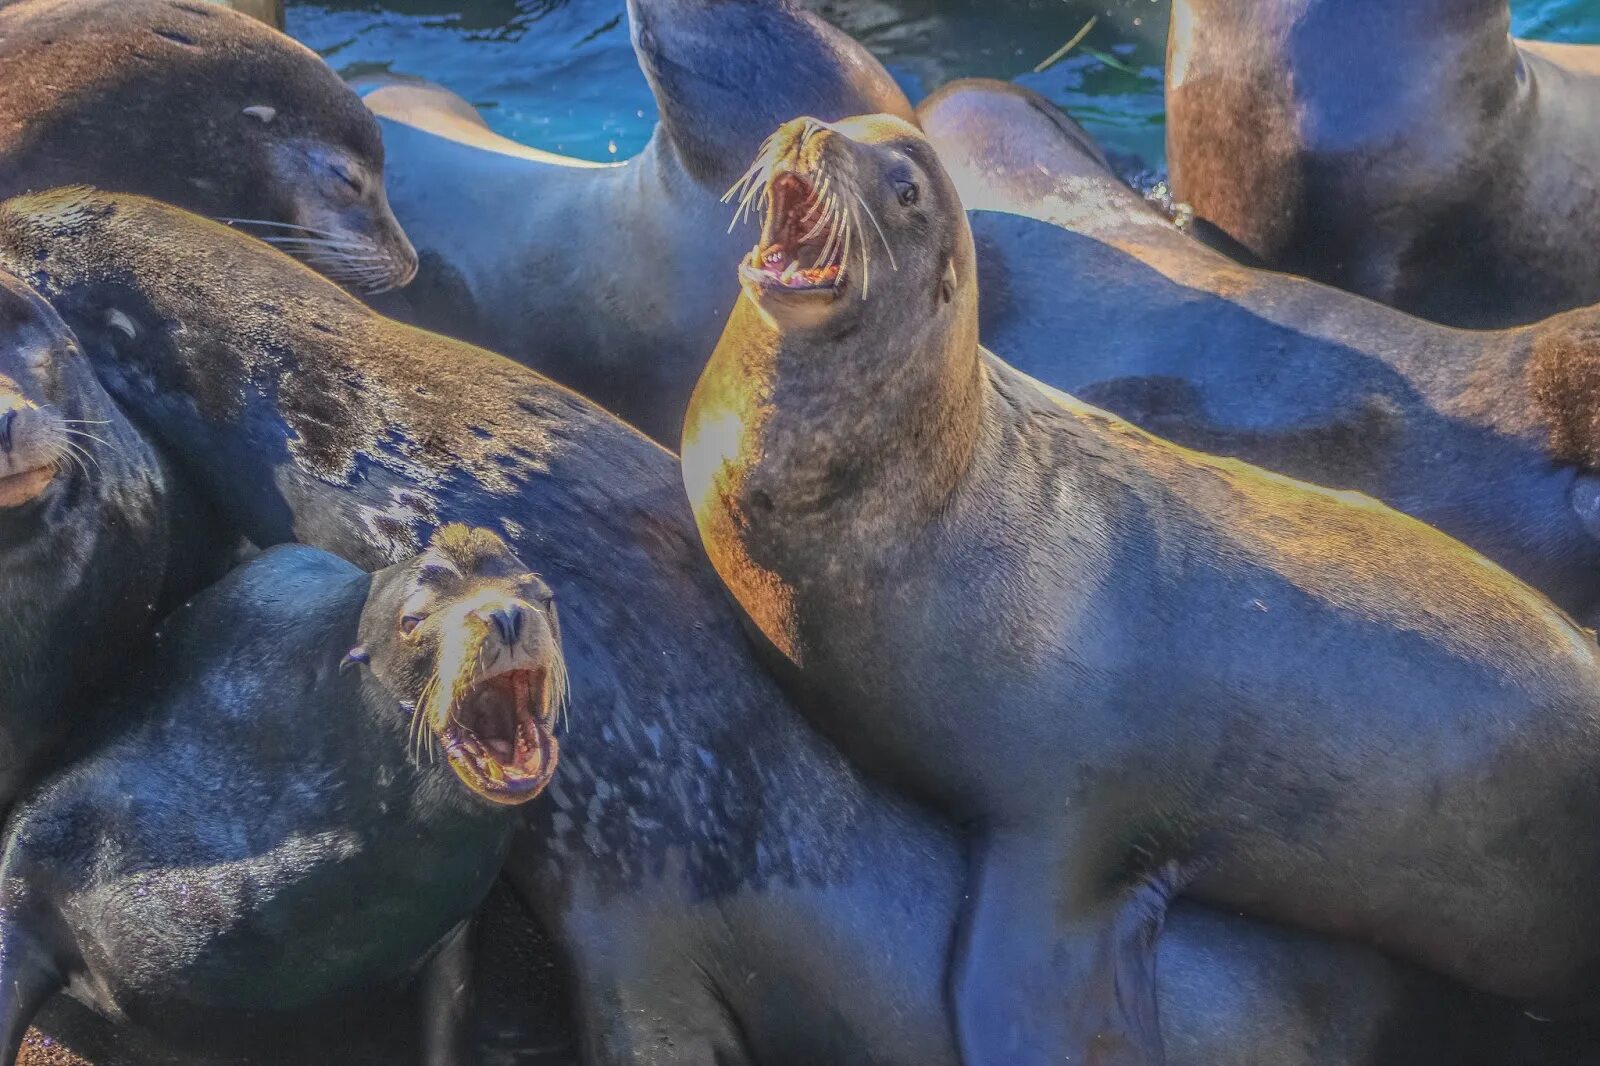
<point>32,444</point>
<point>476,655</point>
<point>508,620</point>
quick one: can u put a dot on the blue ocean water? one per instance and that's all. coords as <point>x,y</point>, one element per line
<point>560,74</point>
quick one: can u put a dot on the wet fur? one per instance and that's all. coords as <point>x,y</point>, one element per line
<point>1482,434</point>
<point>1106,653</point>
<point>86,568</point>
<point>92,85</point>
<point>1414,153</point>
<point>333,863</point>
<point>722,882</point>
<point>510,245</point>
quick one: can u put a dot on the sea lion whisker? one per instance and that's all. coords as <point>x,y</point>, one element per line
<point>75,432</point>
<point>742,185</point>
<point>81,450</point>
<point>342,252</point>
<point>757,188</point>
<point>744,181</point>
<point>280,225</point>
<point>65,448</point>
<point>866,251</point>
<point>420,737</point>
<point>326,242</point>
<point>820,209</point>
<point>831,246</point>
<point>874,220</point>
<point>62,458</point>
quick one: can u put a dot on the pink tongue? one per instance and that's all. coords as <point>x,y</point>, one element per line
<point>501,749</point>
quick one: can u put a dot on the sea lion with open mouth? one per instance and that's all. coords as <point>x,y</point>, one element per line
<point>1484,435</point>
<point>605,277</point>
<point>1415,153</point>
<point>249,126</point>
<point>263,834</point>
<point>1124,665</point>
<point>721,880</point>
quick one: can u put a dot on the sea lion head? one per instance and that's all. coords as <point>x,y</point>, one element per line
<point>208,109</point>
<point>39,403</point>
<point>859,216</point>
<point>989,131</point>
<point>471,636</point>
<point>714,66</point>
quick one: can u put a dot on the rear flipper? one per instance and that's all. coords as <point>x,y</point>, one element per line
<point>29,975</point>
<point>1053,970</point>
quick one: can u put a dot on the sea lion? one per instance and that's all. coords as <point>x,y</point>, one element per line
<point>94,534</point>
<point>1123,664</point>
<point>721,880</point>
<point>343,833</point>
<point>268,11</point>
<point>250,126</point>
<point>1414,153</point>
<point>1478,433</point>
<point>605,277</point>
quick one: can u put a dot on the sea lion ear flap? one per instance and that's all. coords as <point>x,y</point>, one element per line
<point>947,284</point>
<point>263,112</point>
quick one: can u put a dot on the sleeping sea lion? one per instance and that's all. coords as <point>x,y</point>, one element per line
<point>95,535</point>
<point>721,881</point>
<point>205,108</point>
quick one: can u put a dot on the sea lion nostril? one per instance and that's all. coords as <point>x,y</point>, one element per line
<point>508,620</point>
<point>8,422</point>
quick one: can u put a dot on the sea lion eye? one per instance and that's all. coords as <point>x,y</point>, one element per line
<point>410,622</point>
<point>345,173</point>
<point>909,193</point>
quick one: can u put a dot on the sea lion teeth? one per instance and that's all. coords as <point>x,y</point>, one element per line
<point>354,807</point>
<point>658,331</point>
<point>694,765</point>
<point>851,465</point>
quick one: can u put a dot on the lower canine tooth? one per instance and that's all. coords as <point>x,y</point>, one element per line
<point>790,271</point>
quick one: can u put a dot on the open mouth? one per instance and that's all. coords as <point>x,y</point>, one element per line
<point>500,738</point>
<point>802,248</point>
<point>18,489</point>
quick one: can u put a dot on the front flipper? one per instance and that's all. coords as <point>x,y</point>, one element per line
<point>1050,973</point>
<point>444,989</point>
<point>29,976</point>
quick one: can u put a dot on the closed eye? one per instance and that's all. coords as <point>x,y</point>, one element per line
<point>347,174</point>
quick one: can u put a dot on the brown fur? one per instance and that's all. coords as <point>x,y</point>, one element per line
<point>1564,376</point>
<point>150,97</point>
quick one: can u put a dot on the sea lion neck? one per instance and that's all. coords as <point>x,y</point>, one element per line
<point>1307,87</point>
<point>854,436</point>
